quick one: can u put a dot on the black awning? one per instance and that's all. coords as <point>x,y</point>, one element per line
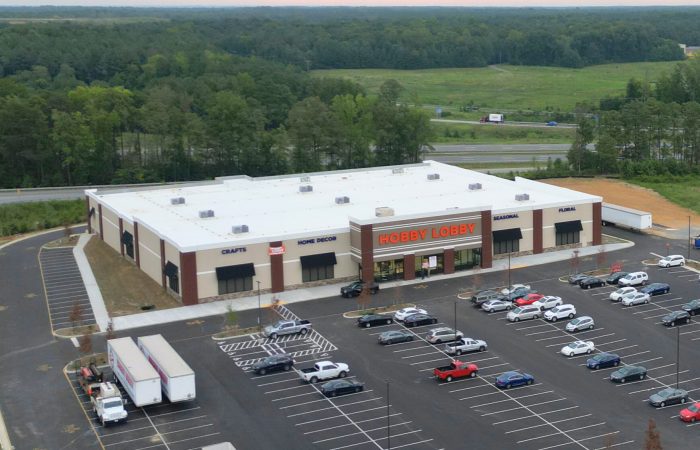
<point>511,234</point>
<point>127,238</point>
<point>320,260</point>
<point>170,269</point>
<point>91,212</point>
<point>568,227</point>
<point>237,271</point>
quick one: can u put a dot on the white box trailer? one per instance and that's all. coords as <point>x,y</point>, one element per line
<point>626,217</point>
<point>495,117</point>
<point>176,377</point>
<point>136,375</point>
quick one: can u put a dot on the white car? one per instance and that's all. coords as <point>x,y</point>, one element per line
<point>618,294</point>
<point>548,302</point>
<point>633,279</point>
<point>635,298</point>
<point>577,348</point>
<point>401,314</point>
<point>560,312</point>
<point>508,290</point>
<point>497,305</point>
<point>671,260</point>
<point>580,323</point>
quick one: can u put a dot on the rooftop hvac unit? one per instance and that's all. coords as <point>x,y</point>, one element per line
<point>475,186</point>
<point>306,188</point>
<point>177,201</point>
<point>397,170</point>
<point>305,179</point>
<point>522,197</point>
<point>342,200</point>
<point>433,176</point>
<point>238,229</point>
<point>384,211</point>
<point>206,213</point>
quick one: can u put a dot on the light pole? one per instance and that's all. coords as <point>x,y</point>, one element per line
<point>688,237</point>
<point>678,353</point>
<point>258,305</point>
<point>509,285</point>
<point>388,419</point>
<point>456,337</point>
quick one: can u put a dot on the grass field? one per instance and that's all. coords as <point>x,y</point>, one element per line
<point>452,133</point>
<point>20,218</point>
<point>688,196</point>
<point>507,88</point>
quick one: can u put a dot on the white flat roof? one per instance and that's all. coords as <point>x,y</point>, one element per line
<point>274,209</point>
<point>168,359</point>
<point>131,357</point>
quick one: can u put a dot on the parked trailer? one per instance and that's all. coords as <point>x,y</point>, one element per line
<point>176,377</point>
<point>625,217</point>
<point>134,372</point>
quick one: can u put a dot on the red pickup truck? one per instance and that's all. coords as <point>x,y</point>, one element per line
<point>456,369</point>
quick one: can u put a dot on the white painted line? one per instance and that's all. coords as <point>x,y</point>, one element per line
<point>508,399</point>
<point>523,406</point>
<point>359,421</point>
<point>467,388</point>
<point>533,326</point>
<point>614,445</point>
<point>613,350</point>
<point>536,415</point>
<point>75,342</point>
<point>547,424</point>
<point>430,360</point>
<point>421,354</point>
<point>543,332</point>
<point>342,414</point>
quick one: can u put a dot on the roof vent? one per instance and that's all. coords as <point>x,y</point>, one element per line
<point>433,176</point>
<point>177,201</point>
<point>238,229</point>
<point>383,211</point>
<point>475,186</point>
<point>342,200</point>
<point>305,179</point>
<point>397,170</point>
<point>206,213</point>
<point>522,197</point>
<point>306,188</point>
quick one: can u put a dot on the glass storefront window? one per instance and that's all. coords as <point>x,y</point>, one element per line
<point>467,259</point>
<point>388,270</point>
<point>425,259</point>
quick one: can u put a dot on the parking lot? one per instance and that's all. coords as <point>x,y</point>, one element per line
<point>65,291</point>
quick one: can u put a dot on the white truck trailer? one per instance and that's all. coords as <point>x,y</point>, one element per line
<point>625,217</point>
<point>134,372</point>
<point>176,377</point>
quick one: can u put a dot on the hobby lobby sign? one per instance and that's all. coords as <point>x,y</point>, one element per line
<point>462,229</point>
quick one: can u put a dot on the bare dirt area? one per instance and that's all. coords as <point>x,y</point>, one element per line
<point>663,212</point>
<point>125,289</point>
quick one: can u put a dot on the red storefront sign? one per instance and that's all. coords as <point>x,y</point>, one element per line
<point>423,233</point>
<point>271,251</point>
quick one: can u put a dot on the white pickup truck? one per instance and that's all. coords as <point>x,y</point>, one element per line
<point>465,345</point>
<point>324,370</point>
<point>287,327</point>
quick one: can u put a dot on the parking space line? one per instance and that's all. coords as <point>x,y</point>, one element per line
<point>542,332</point>
<point>622,348</point>
<point>421,354</point>
<point>614,445</point>
<point>409,349</point>
<point>359,421</point>
<point>537,415</point>
<point>330,407</point>
<point>533,326</point>
<point>508,400</point>
<point>355,434</point>
<point>342,414</point>
<point>431,360</point>
<point>525,406</point>
<point>546,424</point>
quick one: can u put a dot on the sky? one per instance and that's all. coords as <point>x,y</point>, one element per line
<point>466,3</point>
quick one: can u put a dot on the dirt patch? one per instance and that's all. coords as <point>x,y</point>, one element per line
<point>76,331</point>
<point>66,241</point>
<point>663,212</point>
<point>125,289</point>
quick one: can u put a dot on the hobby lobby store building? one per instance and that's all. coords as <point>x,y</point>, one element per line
<point>226,238</point>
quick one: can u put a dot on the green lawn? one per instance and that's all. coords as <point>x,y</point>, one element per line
<point>688,196</point>
<point>451,133</point>
<point>507,88</point>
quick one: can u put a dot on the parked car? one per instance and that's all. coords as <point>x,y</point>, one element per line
<point>621,292</point>
<point>341,386</point>
<point>355,288</point>
<point>401,314</point>
<point>591,282</point>
<point>324,370</point>
<point>560,312</point>
<point>691,413</point>
<point>443,334</point>
<point>671,260</point>
<point>417,320</point>
<point>524,313</point>
<point>635,298</point>
<point>656,288</point>
<point>603,360</point>
<point>548,302</point>
<point>497,305</point>
<point>675,317</point>
<point>529,299</point>
<point>514,287</point>
<point>519,293</point>
<point>693,307</point>
<point>513,378</point>
<point>580,323</point>
<point>668,396</point>
<point>273,363</point>
<point>627,373</point>
<point>370,320</point>
<point>282,327</point>
<point>482,297</point>
<point>456,369</point>
<point>578,348</point>
<point>577,277</point>
<point>395,336</point>
<point>633,279</point>
<point>614,277</point>
<point>465,345</point>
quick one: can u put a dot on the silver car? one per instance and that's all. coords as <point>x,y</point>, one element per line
<point>524,313</point>
<point>497,305</point>
<point>580,323</point>
<point>443,334</point>
<point>635,298</point>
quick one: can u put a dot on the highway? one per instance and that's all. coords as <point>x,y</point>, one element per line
<point>506,123</point>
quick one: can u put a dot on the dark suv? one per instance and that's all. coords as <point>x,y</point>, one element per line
<point>273,363</point>
<point>355,288</point>
<point>482,297</point>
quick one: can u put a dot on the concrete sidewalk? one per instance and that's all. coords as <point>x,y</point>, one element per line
<point>299,295</point>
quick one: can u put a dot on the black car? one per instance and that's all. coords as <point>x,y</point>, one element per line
<point>519,293</point>
<point>395,336</point>
<point>577,277</point>
<point>355,288</point>
<point>482,297</point>
<point>656,288</point>
<point>693,307</point>
<point>613,278</point>
<point>591,282</point>
<point>668,396</point>
<point>675,317</point>
<point>602,360</point>
<point>340,387</point>
<point>273,363</point>
<point>419,319</point>
<point>370,320</point>
<point>629,373</point>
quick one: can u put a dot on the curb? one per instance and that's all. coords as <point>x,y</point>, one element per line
<point>91,287</point>
<point>5,443</point>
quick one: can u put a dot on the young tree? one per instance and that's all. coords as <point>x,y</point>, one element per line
<point>85,344</point>
<point>652,439</point>
<point>574,261</point>
<point>601,257</point>
<point>76,314</point>
<point>109,333</point>
<point>230,318</point>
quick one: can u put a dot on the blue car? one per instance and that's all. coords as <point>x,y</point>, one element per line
<point>656,289</point>
<point>511,379</point>
<point>602,360</point>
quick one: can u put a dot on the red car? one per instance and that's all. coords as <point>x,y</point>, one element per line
<point>529,299</point>
<point>691,413</point>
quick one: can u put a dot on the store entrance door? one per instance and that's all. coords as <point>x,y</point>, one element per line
<point>427,265</point>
